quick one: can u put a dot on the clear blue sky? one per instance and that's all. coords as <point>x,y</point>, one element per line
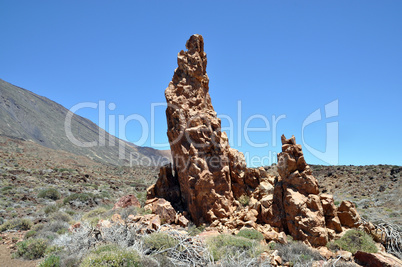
<point>276,57</point>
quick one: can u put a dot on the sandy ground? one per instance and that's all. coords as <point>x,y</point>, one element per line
<point>7,261</point>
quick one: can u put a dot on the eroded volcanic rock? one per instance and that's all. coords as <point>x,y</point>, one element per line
<point>199,149</point>
<point>207,177</point>
<point>304,213</point>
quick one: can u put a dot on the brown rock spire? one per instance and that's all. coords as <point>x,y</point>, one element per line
<point>199,148</point>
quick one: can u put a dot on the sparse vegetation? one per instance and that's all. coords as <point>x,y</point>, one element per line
<point>354,240</point>
<point>30,234</point>
<point>251,234</point>
<point>60,216</point>
<point>225,245</point>
<point>51,261</point>
<point>50,193</point>
<point>16,224</point>
<point>244,200</point>
<point>158,241</point>
<point>31,249</point>
<point>50,208</point>
<point>82,197</point>
<point>193,230</point>
<point>297,253</point>
<point>121,257</point>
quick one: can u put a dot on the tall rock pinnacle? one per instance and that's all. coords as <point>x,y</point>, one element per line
<point>208,179</point>
<point>199,149</point>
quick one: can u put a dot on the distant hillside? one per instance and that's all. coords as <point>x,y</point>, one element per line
<point>29,116</point>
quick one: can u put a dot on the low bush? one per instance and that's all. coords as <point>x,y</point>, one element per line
<point>30,234</point>
<point>194,230</point>
<point>51,261</point>
<point>16,224</point>
<point>56,226</point>
<point>61,216</point>
<point>228,245</point>
<point>251,234</point>
<point>31,249</point>
<point>94,213</point>
<point>6,188</point>
<point>297,253</point>
<point>158,241</point>
<point>50,209</point>
<point>120,257</point>
<point>354,240</point>
<point>244,200</point>
<point>50,193</point>
<point>82,197</point>
<point>142,197</point>
<point>47,235</point>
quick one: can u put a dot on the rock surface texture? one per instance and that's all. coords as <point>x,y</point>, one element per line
<point>304,213</point>
<point>209,181</point>
<point>199,149</point>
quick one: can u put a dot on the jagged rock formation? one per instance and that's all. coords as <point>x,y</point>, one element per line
<point>208,171</point>
<point>208,177</point>
<point>304,213</point>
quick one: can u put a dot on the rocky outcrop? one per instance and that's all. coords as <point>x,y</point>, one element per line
<point>200,151</point>
<point>377,259</point>
<point>127,201</point>
<point>211,181</point>
<point>162,208</point>
<point>348,215</point>
<point>330,212</point>
<point>167,186</point>
<point>208,175</point>
<point>304,213</point>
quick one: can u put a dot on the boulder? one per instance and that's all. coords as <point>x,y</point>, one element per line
<point>163,208</point>
<point>127,201</point>
<point>116,218</point>
<point>330,213</point>
<point>305,218</point>
<point>376,259</point>
<point>348,215</point>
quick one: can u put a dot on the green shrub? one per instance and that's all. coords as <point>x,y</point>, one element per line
<point>194,230</point>
<point>56,227</point>
<point>244,200</point>
<point>105,248</point>
<point>6,188</point>
<point>94,213</point>
<point>38,227</point>
<point>53,250</point>
<point>16,224</point>
<point>113,258</point>
<point>31,249</point>
<point>50,209</point>
<point>226,245</point>
<point>142,197</point>
<point>51,261</point>
<point>30,234</point>
<point>50,193</point>
<point>354,240</point>
<point>83,197</point>
<point>70,212</point>
<point>60,216</point>
<point>297,252</point>
<point>157,241</point>
<point>251,234</point>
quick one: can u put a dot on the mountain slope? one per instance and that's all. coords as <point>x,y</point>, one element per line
<point>29,116</point>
